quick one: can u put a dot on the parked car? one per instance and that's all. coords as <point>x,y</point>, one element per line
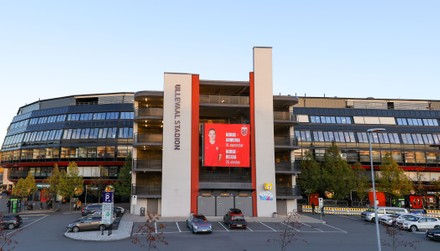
<point>406,217</point>
<point>234,218</point>
<point>433,234</point>
<point>92,208</point>
<point>423,223</point>
<point>10,221</point>
<point>198,223</point>
<point>87,223</point>
<point>389,219</point>
<point>369,214</point>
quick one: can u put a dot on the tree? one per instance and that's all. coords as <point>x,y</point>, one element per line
<point>25,187</point>
<point>53,181</point>
<point>70,182</point>
<point>392,179</point>
<point>150,234</point>
<point>123,185</point>
<point>309,179</point>
<point>289,233</point>
<point>361,181</point>
<point>338,174</point>
<point>396,239</point>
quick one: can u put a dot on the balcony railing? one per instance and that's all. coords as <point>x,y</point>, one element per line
<point>147,191</point>
<point>222,99</point>
<point>148,112</point>
<point>147,165</point>
<point>285,141</point>
<point>288,192</point>
<point>284,116</point>
<point>287,167</point>
<point>147,138</point>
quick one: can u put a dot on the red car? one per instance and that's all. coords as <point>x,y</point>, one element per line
<point>234,218</point>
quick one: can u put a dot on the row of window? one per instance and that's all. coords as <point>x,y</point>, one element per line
<point>363,156</point>
<point>108,172</point>
<point>90,152</point>
<point>330,120</point>
<point>79,133</point>
<point>371,120</point>
<point>362,137</point>
<point>74,117</point>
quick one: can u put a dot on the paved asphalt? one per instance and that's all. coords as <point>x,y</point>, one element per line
<point>125,227</point>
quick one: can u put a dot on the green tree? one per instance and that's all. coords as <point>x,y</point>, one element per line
<point>123,185</point>
<point>361,181</point>
<point>70,182</point>
<point>25,187</point>
<point>310,177</point>
<point>53,181</point>
<point>392,179</point>
<point>338,174</point>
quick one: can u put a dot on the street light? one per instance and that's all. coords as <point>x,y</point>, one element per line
<point>369,132</point>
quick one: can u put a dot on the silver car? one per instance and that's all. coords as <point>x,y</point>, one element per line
<point>198,223</point>
<point>87,223</point>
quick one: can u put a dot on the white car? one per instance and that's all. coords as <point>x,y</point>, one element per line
<point>406,217</point>
<point>423,223</point>
<point>389,219</point>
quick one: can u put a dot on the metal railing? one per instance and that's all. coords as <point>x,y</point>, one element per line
<point>150,190</point>
<point>145,111</point>
<point>285,116</point>
<point>287,167</point>
<point>285,141</point>
<point>147,138</point>
<point>223,99</point>
<point>288,192</point>
<point>147,165</point>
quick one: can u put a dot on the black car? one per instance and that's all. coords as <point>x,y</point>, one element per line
<point>433,234</point>
<point>10,221</point>
<point>234,218</point>
<point>93,208</point>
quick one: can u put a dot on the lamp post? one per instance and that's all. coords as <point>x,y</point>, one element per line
<point>369,132</point>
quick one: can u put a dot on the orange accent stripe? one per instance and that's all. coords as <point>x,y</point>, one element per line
<point>253,162</point>
<point>195,100</point>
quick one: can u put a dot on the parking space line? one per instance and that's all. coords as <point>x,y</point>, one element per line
<point>178,226</point>
<point>345,232</point>
<point>250,229</point>
<point>268,226</point>
<point>223,226</point>
<point>297,230</point>
<point>319,230</point>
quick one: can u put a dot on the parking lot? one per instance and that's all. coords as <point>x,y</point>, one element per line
<point>218,226</point>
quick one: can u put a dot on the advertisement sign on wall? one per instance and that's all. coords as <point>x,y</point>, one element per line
<point>226,145</point>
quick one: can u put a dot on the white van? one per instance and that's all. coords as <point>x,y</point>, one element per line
<point>369,215</point>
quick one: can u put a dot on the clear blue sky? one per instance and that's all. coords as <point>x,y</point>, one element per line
<point>382,49</point>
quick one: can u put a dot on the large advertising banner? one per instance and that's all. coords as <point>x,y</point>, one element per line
<point>226,145</point>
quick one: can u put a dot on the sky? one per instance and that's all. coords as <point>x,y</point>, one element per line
<point>359,49</point>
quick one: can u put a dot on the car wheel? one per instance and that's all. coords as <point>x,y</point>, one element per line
<point>101,227</point>
<point>373,220</point>
<point>11,226</point>
<point>413,228</point>
<point>75,229</point>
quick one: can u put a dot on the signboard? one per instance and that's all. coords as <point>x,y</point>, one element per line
<point>226,145</point>
<point>107,213</point>
<point>107,208</point>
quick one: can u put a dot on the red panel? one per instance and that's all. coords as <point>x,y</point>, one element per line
<point>195,84</point>
<point>380,196</point>
<point>226,145</point>
<point>253,164</point>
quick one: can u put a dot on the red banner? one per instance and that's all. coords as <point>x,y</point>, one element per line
<point>226,145</point>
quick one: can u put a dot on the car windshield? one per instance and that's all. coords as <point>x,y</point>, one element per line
<point>199,220</point>
<point>238,218</point>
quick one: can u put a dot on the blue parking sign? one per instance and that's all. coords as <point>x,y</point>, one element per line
<point>107,197</point>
